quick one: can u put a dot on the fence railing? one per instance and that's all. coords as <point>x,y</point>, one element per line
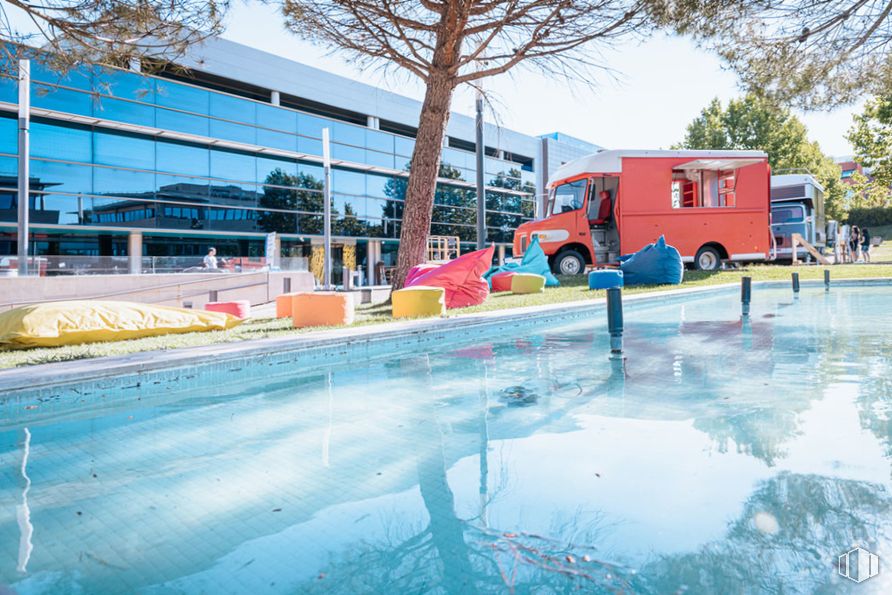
<point>50,266</point>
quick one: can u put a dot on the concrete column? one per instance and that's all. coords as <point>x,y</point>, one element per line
<point>373,258</point>
<point>134,252</point>
<point>274,98</point>
<point>501,254</point>
<point>373,122</point>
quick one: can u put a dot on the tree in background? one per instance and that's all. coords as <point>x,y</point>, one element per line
<point>814,54</point>
<point>871,138</point>
<point>114,32</point>
<point>448,43</point>
<point>756,123</point>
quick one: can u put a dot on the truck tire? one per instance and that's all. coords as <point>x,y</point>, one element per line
<point>708,259</point>
<point>568,262</point>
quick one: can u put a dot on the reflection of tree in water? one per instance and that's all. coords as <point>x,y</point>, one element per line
<point>457,555</point>
<point>875,406</point>
<point>817,518</point>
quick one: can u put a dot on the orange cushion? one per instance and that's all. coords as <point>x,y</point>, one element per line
<point>501,282</point>
<point>321,308</point>
<point>238,308</point>
<point>283,305</point>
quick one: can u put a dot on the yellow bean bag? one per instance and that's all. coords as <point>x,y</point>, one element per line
<point>418,301</point>
<point>73,322</point>
<point>321,308</point>
<point>527,283</point>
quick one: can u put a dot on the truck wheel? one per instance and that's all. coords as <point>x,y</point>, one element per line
<point>707,259</point>
<point>568,262</point>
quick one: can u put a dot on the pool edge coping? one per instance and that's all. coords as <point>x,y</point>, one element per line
<point>91,369</point>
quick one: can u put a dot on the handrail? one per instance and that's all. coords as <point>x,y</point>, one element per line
<point>151,288</point>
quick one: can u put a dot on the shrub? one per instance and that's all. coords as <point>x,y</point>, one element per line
<point>870,216</point>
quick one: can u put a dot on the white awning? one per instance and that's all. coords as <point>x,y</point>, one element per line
<point>717,164</point>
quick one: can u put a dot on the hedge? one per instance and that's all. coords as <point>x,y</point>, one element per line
<point>870,217</point>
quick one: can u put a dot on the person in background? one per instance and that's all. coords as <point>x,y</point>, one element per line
<point>210,261</point>
<point>855,244</point>
<point>842,244</point>
<point>865,244</point>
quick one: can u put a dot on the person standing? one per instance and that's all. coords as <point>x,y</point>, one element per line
<point>210,261</point>
<point>865,244</point>
<point>842,244</point>
<point>855,243</point>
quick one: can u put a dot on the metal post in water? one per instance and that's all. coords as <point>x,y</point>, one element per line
<point>746,293</point>
<point>795,282</point>
<point>826,279</point>
<point>615,321</point>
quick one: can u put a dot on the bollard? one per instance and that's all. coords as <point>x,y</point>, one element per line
<point>746,292</point>
<point>286,285</point>
<point>615,321</point>
<point>826,279</point>
<point>212,295</point>
<point>795,282</point>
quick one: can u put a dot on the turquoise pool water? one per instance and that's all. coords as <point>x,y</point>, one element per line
<point>726,458</point>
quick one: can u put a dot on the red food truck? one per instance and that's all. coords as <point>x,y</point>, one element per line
<point>713,206</point>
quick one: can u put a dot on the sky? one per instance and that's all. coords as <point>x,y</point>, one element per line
<point>661,84</point>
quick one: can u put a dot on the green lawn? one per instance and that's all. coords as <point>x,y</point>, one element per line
<point>572,289</point>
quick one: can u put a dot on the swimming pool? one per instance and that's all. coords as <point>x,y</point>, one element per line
<point>726,457</point>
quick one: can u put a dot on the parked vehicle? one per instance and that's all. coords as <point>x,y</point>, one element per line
<point>711,205</point>
<point>797,206</point>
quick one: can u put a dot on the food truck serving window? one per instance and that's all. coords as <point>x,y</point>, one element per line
<point>703,188</point>
<point>568,197</point>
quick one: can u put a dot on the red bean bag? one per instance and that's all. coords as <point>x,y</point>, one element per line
<point>417,271</point>
<point>238,308</point>
<point>501,282</point>
<point>462,278</point>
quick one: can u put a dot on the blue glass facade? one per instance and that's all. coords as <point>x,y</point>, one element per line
<point>168,173</point>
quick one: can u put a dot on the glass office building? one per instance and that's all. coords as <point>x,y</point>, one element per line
<point>173,163</point>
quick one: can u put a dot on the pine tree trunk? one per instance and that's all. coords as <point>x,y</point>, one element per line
<point>424,170</point>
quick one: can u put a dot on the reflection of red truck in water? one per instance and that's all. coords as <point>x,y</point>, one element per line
<point>711,205</point>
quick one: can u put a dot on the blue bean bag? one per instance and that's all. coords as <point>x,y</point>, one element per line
<point>533,261</point>
<point>655,264</point>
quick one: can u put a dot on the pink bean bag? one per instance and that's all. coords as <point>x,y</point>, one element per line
<point>501,282</point>
<point>417,271</point>
<point>462,278</point>
<point>238,308</point>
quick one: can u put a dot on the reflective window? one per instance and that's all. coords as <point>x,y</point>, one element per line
<point>276,171</point>
<point>347,153</point>
<point>233,132</point>
<point>63,100</point>
<point>224,192</point>
<point>77,78</point>
<point>276,118</point>
<point>351,205</point>
<point>347,133</point>
<point>379,141</point>
<point>180,188</point>
<point>379,159</point>
<point>9,168</point>
<point>124,111</point>
<point>311,125</point>
<point>182,97</point>
<point>276,140</point>
<point>228,165</point>
<point>119,182</point>
<point>312,174</point>
<point>123,150</point>
<point>568,197</point>
<point>171,120</point>
<point>182,159</point>
<point>8,90</point>
<point>403,146</point>
<point>124,85</point>
<point>67,177</point>
<point>60,142</point>
<point>9,141</point>
<point>232,108</point>
<point>348,182</point>
<point>385,186</point>
<point>310,146</point>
